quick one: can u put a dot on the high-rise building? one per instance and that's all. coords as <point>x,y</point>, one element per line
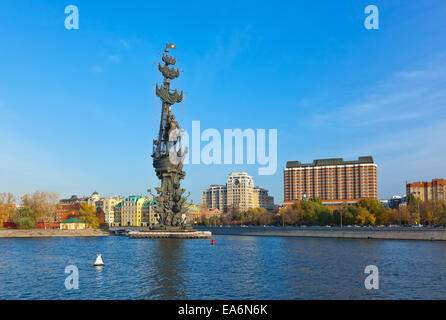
<point>238,193</point>
<point>334,181</point>
<point>434,190</point>
<point>260,196</point>
<point>239,190</point>
<point>214,197</point>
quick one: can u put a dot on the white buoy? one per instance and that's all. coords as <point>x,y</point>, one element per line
<point>98,261</point>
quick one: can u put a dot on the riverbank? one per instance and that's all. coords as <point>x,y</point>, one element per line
<point>428,234</point>
<point>41,233</point>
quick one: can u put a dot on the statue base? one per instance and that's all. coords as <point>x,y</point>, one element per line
<point>171,234</point>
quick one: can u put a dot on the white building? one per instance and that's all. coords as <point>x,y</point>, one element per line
<point>239,193</point>
<point>93,199</point>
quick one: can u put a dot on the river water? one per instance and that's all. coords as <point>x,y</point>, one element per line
<point>236,267</point>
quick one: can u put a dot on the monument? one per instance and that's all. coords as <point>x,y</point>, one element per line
<point>168,159</point>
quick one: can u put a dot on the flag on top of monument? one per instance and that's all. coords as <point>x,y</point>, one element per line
<point>171,46</point>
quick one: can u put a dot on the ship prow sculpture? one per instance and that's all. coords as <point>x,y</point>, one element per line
<point>168,157</point>
<point>167,154</point>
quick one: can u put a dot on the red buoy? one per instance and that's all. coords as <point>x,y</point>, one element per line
<point>213,241</point>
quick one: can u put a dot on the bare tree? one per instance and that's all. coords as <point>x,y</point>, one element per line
<point>43,203</point>
<point>7,198</point>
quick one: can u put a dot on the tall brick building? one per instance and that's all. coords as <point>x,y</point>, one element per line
<point>434,190</point>
<point>334,181</point>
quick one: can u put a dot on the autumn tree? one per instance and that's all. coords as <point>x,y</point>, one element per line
<point>255,216</point>
<point>376,209</point>
<point>7,207</point>
<point>43,204</point>
<point>88,214</point>
<point>364,217</point>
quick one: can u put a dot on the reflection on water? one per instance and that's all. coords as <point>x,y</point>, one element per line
<point>236,267</point>
<point>168,270</point>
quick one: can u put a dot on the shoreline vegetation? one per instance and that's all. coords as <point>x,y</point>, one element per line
<point>40,209</point>
<point>312,212</point>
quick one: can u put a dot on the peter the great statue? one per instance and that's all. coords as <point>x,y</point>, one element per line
<point>167,154</point>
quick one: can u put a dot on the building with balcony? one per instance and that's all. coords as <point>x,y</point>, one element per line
<point>433,190</point>
<point>107,206</point>
<point>334,181</point>
<point>239,193</point>
<point>135,211</point>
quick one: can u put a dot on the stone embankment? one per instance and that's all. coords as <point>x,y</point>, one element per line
<point>347,233</point>
<point>41,233</point>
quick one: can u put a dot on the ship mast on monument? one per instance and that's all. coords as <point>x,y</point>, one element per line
<point>167,154</point>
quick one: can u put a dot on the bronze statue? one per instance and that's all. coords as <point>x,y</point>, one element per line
<point>170,210</point>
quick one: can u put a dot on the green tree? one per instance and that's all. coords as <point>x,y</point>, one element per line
<point>348,213</point>
<point>24,218</point>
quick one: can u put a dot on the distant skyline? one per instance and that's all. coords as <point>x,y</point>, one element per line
<point>77,108</point>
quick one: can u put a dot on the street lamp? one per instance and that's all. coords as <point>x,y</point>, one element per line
<point>340,211</point>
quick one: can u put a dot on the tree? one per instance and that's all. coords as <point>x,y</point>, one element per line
<point>88,214</point>
<point>348,215</point>
<point>24,218</point>
<point>376,209</point>
<point>412,199</point>
<point>43,204</point>
<point>364,217</point>
<point>7,207</point>
<point>255,216</point>
<point>393,217</point>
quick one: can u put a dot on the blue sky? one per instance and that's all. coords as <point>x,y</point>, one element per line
<point>77,110</point>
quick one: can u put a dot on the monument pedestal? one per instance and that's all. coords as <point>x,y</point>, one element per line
<point>171,234</point>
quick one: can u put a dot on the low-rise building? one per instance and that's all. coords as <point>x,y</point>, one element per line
<point>73,199</point>
<point>66,210</point>
<point>395,202</point>
<point>73,224</point>
<point>193,211</point>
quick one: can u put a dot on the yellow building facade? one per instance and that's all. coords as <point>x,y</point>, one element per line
<point>136,211</point>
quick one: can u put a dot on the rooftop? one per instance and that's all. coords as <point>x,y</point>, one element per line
<point>329,162</point>
<point>74,220</point>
